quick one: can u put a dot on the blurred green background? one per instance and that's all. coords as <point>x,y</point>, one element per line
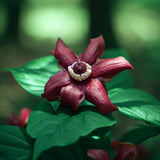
<point>29,29</point>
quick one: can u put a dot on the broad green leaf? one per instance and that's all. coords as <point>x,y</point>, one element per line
<point>136,104</point>
<point>39,122</point>
<point>140,134</point>
<point>131,96</point>
<point>33,75</point>
<point>44,106</point>
<point>121,80</point>
<point>14,143</point>
<point>55,105</point>
<point>148,113</point>
<point>61,129</point>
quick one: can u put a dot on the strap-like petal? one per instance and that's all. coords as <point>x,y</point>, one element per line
<point>71,96</point>
<point>94,50</point>
<point>96,93</point>
<point>54,85</point>
<point>98,154</point>
<point>64,54</point>
<point>107,68</point>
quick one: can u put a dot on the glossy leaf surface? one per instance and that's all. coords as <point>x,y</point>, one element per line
<point>61,129</point>
<point>136,104</point>
<point>33,75</point>
<point>14,143</point>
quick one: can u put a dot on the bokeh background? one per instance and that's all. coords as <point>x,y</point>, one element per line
<point>29,29</point>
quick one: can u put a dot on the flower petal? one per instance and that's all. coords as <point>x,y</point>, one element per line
<point>71,96</point>
<point>54,85</point>
<point>97,94</point>
<point>107,68</point>
<point>125,151</point>
<point>64,54</point>
<point>23,118</point>
<point>98,154</point>
<point>94,50</point>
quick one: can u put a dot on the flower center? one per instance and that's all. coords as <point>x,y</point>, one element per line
<point>80,70</point>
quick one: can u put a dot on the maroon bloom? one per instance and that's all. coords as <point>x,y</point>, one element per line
<point>81,76</point>
<point>98,154</point>
<point>123,151</point>
<point>20,121</point>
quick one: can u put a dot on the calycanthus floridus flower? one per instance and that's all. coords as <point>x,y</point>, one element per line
<point>81,76</point>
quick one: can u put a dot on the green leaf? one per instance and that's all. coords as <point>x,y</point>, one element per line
<point>136,104</point>
<point>121,80</point>
<point>131,96</point>
<point>61,129</point>
<point>14,143</point>
<point>33,75</point>
<point>44,106</point>
<point>55,105</point>
<point>140,134</point>
<point>148,113</point>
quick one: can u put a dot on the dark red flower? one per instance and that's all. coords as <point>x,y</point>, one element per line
<point>123,151</point>
<point>81,76</point>
<point>98,154</point>
<point>22,120</point>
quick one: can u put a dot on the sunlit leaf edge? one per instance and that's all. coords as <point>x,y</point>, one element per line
<point>136,104</point>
